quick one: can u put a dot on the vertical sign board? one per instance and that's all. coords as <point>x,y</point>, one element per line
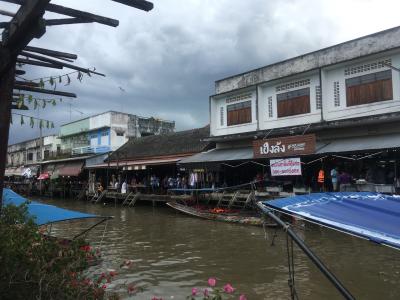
<point>285,167</point>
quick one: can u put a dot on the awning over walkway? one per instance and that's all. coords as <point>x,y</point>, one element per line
<point>138,164</point>
<point>377,142</point>
<point>11,172</point>
<point>71,169</point>
<point>217,155</point>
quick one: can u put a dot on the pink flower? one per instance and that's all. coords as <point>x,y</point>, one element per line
<point>194,291</point>
<point>205,292</point>
<point>131,289</point>
<point>242,297</point>
<point>104,286</point>
<point>212,281</point>
<point>228,288</point>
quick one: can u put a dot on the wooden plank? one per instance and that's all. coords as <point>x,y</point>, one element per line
<point>49,52</point>
<point>27,83</point>
<point>37,63</point>
<point>6,13</point>
<point>43,91</point>
<point>139,4</point>
<point>6,91</point>
<point>25,26</point>
<point>55,22</point>
<point>81,14</point>
<point>66,21</point>
<point>56,62</point>
<point>59,9</point>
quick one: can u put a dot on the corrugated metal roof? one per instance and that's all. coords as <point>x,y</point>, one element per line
<point>215,155</point>
<point>377,142</point>
<point>177,143</point>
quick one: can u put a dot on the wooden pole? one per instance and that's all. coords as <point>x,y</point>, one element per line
<point>6,92</point>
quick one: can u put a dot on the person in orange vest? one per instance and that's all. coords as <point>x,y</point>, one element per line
<point>321,179</point>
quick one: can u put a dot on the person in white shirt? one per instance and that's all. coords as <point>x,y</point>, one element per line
<point>123,188</point>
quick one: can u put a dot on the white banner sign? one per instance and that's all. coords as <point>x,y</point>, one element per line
<point>285,166</point>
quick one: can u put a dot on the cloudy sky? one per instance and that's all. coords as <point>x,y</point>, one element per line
<point>164,63</point>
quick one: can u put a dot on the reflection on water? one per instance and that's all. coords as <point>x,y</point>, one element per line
<point>174,252</point>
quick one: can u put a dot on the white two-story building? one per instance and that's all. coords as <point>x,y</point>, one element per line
<point>344,100</point>
<point>108,131</point>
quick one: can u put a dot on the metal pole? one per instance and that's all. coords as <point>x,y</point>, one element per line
<point>315,259</point>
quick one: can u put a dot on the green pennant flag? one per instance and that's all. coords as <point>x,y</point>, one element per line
<point>41,123</point>
<point>31,122</point>
<point>44,103</point>
<point>59,79</point>
<point>30,98</point>
<point>52,124</point>
<point>20,103</point>
<point>22,120</point>
<point>35,104</point>
<point>51,81</point>
<point>47,124</point>
<point>41,83</point>
<point>54,102</point>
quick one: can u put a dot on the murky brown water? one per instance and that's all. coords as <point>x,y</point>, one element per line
<point>174,252</point>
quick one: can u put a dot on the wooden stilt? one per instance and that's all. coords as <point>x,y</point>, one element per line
<point>6,91</point>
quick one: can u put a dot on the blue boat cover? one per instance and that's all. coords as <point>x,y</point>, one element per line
<point>44,213</point>
<point>372,216</point>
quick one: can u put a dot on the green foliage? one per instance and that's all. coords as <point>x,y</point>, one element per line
<point>35,266</point>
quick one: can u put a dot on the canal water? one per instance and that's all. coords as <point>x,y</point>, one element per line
<point>173,252</point>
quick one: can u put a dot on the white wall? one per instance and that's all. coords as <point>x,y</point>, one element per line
<point>117,141</point>
<point>103,120</point>
<point>337,74</point>
<point>329,112</point>
<point>218,103</point>
<point>293,83</point>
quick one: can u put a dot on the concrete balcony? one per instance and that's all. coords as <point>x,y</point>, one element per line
<point>91,150</point>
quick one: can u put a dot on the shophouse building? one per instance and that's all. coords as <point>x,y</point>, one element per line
<point>108,131</point>
<point>340,101</point>
<point>28,152</point>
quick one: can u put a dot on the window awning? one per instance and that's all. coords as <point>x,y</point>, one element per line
<point>217,155</point>
<point>377,142</point>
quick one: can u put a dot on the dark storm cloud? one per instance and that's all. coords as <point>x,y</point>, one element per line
<point>166,61</point>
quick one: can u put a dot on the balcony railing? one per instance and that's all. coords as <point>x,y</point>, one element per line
<point>91,150</point>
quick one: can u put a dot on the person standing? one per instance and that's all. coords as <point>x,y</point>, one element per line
<point>123,187</point>
<point>321,180</point>
<point>334,179</point>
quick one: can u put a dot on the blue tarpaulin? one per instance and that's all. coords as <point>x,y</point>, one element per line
<point>372,216</point>
<point>44,213</point>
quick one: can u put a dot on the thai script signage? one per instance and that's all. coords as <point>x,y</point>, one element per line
<point>285,167</point>
<point>284,146</point>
